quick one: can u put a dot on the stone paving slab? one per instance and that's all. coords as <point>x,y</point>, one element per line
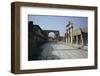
<point>60,50</point>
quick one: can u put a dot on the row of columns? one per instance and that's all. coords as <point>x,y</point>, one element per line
<point>69,33</point>
<point>78,39</point>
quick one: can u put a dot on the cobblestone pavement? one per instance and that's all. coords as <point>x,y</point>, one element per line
<point>59,50</point>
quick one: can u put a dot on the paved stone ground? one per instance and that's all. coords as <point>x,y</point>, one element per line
<point>59,50</point>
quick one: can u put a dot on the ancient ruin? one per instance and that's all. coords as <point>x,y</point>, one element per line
<point>43,47</point>
<point>78,36</point>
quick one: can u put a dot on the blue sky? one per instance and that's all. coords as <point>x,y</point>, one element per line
<point>58,22</point>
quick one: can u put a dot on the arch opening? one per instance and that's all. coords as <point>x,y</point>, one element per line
<point>51,36</point>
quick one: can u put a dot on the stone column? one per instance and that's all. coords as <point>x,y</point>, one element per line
<point>66,36</point>
<point>82,39</point>
<point>71,35</point>
<point>77,39</point>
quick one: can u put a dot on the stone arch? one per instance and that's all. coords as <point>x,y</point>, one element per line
<point>55,32</point>
<point>51,34</point>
